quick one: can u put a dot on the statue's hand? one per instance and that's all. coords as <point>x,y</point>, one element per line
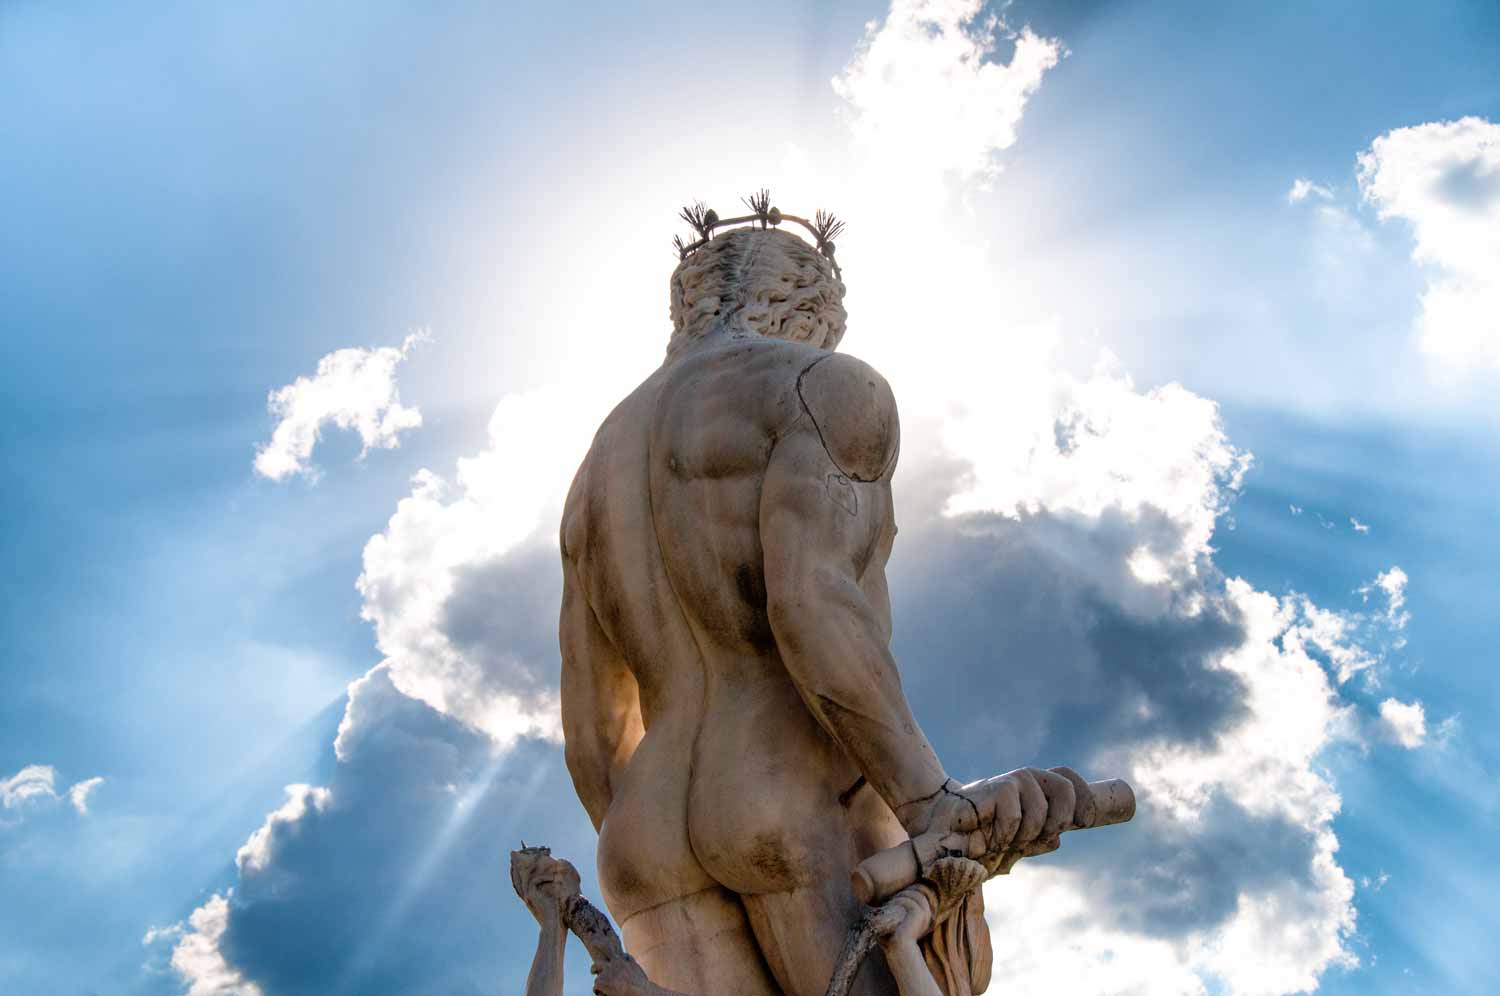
<point>622,977</point>
<point>543,882</point>
<point>996,821</point>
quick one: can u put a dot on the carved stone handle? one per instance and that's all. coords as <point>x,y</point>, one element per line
<point>887,872</point>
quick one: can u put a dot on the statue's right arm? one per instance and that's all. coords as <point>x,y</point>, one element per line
<point>601,711</point>
<point>825,515</point>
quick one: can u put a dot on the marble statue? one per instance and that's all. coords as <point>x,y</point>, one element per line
<point>772,819</point>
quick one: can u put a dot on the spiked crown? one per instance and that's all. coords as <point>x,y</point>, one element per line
<point>824,227</point>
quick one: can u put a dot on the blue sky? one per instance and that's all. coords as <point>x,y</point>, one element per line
<point>1047,229</point>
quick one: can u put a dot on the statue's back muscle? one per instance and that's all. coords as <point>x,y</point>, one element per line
<point>719,415</point>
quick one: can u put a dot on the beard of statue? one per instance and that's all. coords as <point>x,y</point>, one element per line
<point>761,281</point>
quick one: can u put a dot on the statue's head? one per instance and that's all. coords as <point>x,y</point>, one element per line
<point>761,280</point>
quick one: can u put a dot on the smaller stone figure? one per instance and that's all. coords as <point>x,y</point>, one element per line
<point>549,887</point>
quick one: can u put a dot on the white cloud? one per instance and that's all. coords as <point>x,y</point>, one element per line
<point>1329,633</point>
<point>32,784</point>
<point>78,795</point>
<point>925,87</point>
<point>509,494</point>
<point>1392,584</point>
<point>170,932</point>
<point>1303,189</point>
<point>1041,917</point>
<point>1098,446</point>
<point>254,855</point>
<point>1295,509</point>
<point>353,389</point>
<point>1359,527</point>
<point>197,957</point>
<point>1405,723</point>
<point>35,787</point>
<point>1444,179</point>
<point>1353,642</point>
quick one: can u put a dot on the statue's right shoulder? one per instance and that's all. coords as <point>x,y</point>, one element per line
<point>854,411</point>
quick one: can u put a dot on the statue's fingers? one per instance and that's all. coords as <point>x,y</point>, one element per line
<point>1042,845</point>
<point>522,878</point>
<point>969,806</point>
<point>1085,810</point>
<point>962,813</point>
<point>1007,862</point>
<point>1033,808</point>
<point>1004,812</point>
<point>1060,802</point>
<point>568,881</point>
<point>917,921</point>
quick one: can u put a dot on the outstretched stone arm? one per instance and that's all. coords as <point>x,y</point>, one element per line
<point>601,710</point>
<point>825,532</point>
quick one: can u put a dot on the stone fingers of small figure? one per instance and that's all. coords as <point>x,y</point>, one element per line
<point>544,883</point>
<point>916,917</point>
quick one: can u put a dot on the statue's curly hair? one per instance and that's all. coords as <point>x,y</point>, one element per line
<point>763,280</point>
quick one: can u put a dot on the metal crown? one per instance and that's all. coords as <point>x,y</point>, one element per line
<point>824,227</point>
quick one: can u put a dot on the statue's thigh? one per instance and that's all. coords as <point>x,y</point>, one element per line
<point>700,944</point>
<point>802,932</point>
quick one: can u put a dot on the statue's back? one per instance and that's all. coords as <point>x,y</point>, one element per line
<point>653,508</point>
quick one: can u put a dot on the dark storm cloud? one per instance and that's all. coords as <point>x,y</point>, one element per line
<point>1030,639</point>
<point>400,882</point>
<point>502,616</point>
<point>1164,879</point>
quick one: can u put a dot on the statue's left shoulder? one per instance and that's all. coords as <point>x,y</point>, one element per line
<point>854,412</point>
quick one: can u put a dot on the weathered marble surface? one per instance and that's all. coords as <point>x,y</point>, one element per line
<point>734,720</point>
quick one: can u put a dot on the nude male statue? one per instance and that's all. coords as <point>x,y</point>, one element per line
<point>734,721</point>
